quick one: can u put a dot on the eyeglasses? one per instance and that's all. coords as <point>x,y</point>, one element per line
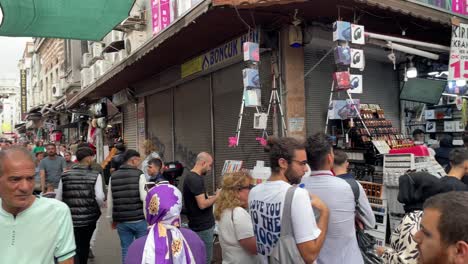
<point>250,187</point>
<point>301,162</point>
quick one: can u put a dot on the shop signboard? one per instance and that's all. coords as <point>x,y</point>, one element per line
<point>24,107</point>
<point>458,64</point>
<point>162,14</point>
<point>458,7</point>
<point>218,55</point>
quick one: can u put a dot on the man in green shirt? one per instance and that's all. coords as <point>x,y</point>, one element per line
<point>33,230</point>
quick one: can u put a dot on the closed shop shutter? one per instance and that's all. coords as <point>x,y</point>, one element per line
<point>159,109</point>
<point>227,93</point>
<point>130,125</point>
<point>380,86</point>
<point>192,116</point>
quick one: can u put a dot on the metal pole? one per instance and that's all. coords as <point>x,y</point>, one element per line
<point>329,104</point>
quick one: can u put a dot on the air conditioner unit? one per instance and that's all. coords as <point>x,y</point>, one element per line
<point>97,49</point>
<point>115,36</point>
<point>133,40</point>
<point>85,77</point>
<point>101,67</point>
<point>85,62</point>
<point>92,73</point>
<point>110,57</point>
<point>57,90</point>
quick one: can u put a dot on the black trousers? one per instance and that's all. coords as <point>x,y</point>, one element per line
<point>83,236</point>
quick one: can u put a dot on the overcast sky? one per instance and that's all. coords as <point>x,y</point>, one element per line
<point>11,50</point>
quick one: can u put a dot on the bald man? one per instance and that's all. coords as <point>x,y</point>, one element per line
<point>199,204</point>
<point>34,230</point>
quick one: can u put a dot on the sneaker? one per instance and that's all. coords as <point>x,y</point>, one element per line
<point>91,254</point>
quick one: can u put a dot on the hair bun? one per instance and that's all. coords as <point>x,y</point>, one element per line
<point>271,142</point>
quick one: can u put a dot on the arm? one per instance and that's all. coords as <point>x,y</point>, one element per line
<point>110,201</point>
<point>404,234</point>
<point>68,261</point>
<point>249,245</point>
<point>367,217</point>
<point>204,202</point>
<point>311,245</point>
<point>243,229</point>
<point>141,185</point>
<point>98,191</point>
<point>58,194</point>
<point>43,180</point>
<point>65,247</point>
<point>64,165</point>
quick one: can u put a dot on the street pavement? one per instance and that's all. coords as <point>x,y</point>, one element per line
<point>107,248</point>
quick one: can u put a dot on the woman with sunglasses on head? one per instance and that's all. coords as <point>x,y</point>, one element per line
<point>235,227</point>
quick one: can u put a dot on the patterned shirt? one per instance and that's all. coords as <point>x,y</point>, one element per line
<point>403,247</point>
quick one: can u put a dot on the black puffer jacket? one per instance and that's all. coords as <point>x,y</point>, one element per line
<point>125,186</point>
<point>78,193</point>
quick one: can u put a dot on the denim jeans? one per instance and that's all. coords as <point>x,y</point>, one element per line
<point>128,232</point>
<point>207,237</point>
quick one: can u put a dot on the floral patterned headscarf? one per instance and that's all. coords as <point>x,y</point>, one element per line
<point>163,207</point>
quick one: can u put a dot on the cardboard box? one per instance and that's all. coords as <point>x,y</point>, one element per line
<point>251,78</point>
<point>449,126</point>
<point>341,31</point>
<point>356,84</point>
<point>251,51</point>
<point>342,80</point>
<point>357,59</point>
<point>431,127</point>
<point>342,55</point>
<point>429,114</point>
<point>343,109</point>
<point>357,34</point>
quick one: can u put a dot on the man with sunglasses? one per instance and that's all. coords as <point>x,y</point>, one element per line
<point>339,198</point>
<point>288,163</point>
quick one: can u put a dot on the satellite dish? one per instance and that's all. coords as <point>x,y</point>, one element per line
<point>1,15</point>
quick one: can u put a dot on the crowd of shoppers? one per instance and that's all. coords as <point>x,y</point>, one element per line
<point>308,211</point>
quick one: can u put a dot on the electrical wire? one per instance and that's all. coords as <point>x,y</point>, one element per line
<point>241,19</point>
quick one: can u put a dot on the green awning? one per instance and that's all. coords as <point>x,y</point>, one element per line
<point>68,19</point>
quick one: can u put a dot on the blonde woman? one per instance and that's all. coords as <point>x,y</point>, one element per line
<point>150,153</point>
<point>235,227</point>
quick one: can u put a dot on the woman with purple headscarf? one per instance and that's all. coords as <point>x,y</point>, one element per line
<point>166,242</point>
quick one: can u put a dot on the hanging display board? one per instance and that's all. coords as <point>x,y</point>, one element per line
<point>458,64</point>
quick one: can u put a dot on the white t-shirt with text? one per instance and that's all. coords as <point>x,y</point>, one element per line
<point>266,203</point>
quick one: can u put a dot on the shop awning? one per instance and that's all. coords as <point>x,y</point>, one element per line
<point>70,19</point>
<point>208,26</point>
<point>413,9</point>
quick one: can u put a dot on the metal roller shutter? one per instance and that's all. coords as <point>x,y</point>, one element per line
<point>227,93</point>
<point>192,115</point>
<point>380,86</point>
<point>159,114</point>
<point>130,125</point>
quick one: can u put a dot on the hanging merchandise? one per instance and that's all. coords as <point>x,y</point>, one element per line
<point>356,84</point>
<point>260,120</point>
<point>251,52</point>
<point>56,136</point>
<point>342,55</point>
<point>357,34</point>
<point>341,31</point>
<point>344,109</point>
<point>357,59</point>
<point>342,80</point>
<point>251,78</point>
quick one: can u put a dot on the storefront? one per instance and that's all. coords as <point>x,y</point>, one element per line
<point>201,112</point>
